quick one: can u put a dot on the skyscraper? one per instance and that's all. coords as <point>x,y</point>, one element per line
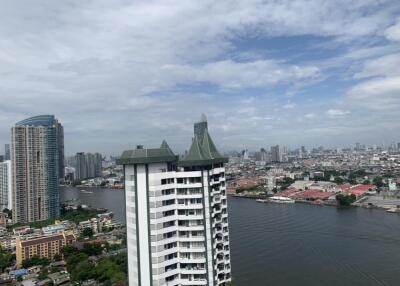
<point>35,151</point>
<point>87,165</point>
<point>7,152</point>
<point>5,185</point>
<point>176,211</point>
<point>276,154</point>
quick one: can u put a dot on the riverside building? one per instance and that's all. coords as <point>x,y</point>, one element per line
<point>36,150</point>
<point>176,211</point>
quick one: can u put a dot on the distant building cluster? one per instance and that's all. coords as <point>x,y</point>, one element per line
<point>87,165</point>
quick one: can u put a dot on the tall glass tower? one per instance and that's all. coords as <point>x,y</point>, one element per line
<point>37,155</point>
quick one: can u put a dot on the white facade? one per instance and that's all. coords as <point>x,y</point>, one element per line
<point>5,185</point>
<point>177,225</point>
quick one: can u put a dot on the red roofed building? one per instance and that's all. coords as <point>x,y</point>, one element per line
<point>288,192</point>
<point>344,187</point>
<point>312,195</point>
<point>359,190</point>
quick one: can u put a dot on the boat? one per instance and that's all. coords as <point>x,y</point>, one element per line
<point>86,192</point>
<point>281,200</point>
<point>394,210</point>
<point>261,201</point>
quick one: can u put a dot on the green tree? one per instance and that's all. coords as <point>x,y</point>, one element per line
<point>338,180</point>
<point>345,200</point>
<point>87,232</point>
<point>7,259</point>
<point>8,213</point>
<point>34,261</point>
<point>91,249</point>
<point>378,181</point>
<point>82,271</point>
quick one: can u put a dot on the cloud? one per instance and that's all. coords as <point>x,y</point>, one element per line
<point>333,113</point>
<point>231,74</point>
<point>393,32</point>
<point>388,65</point>
<point>309,115</point>
<point>377,94</point>
<point>289,105</point>
<point>118,73</point>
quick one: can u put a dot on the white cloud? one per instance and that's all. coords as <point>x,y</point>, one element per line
<point>393,33</point>
<point>113,70</point>
<point>378,94</point>
<point>289,105</point>
<point>388,65</point>
<point>333,113</point>
<point>309,115</point>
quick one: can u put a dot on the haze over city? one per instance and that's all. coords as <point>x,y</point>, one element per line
<point>265,72</point>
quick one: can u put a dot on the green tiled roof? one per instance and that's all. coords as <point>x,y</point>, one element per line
<point>145,156</point>
<point>202,152</point>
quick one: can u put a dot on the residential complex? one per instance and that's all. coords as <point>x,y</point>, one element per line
<point>176,211</point>
<point>36,151</point>
<point>5,185</point>
<point>44,246</point>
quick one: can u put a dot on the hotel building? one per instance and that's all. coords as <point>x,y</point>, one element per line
<point>176,211</point>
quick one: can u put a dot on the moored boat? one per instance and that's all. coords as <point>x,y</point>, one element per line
<point>281,200</point>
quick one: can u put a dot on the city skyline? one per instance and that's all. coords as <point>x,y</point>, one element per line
<point>266,72</point>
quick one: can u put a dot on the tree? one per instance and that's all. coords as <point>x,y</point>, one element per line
<point>338,180</point>
<point>6,259</point>
<point>345,200</point>
<point>34,261</point>
<point>8,213</point>
<point>378,181</point>
<point>366,182</point>
<point>87,232</point>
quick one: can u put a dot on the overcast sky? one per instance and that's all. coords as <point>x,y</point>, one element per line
<point>121,73</point>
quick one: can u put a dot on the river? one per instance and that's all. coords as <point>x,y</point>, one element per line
<point>297,244</point>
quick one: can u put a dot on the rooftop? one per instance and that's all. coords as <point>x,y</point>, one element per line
<point>40,120</point>
<point>141,155</point>
<point>201,152</point>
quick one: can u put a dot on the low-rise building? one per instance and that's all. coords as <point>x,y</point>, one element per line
<point>44,246</point>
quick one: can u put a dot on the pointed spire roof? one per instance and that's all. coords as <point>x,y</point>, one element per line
<point>165,146</point>
<point>209,148</point>
<point>202,152</point>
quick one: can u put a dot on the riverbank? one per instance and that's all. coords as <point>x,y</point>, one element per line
<point>388,205</point>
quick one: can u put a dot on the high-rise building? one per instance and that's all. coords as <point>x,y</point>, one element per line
<point>35,157</point>
<point>87,165</point>
<point>201,127</point>
<point>176,211</point>
<point>276,154</point>
<point>80,167</point>
<point>5,185</point>
<point>7,152</point>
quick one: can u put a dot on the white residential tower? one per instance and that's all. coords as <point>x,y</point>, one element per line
<point>176,212</point>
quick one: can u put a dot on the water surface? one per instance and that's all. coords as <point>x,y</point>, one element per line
<point>297,244</point>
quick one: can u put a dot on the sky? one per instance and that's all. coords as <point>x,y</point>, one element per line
<point>122,73</point>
